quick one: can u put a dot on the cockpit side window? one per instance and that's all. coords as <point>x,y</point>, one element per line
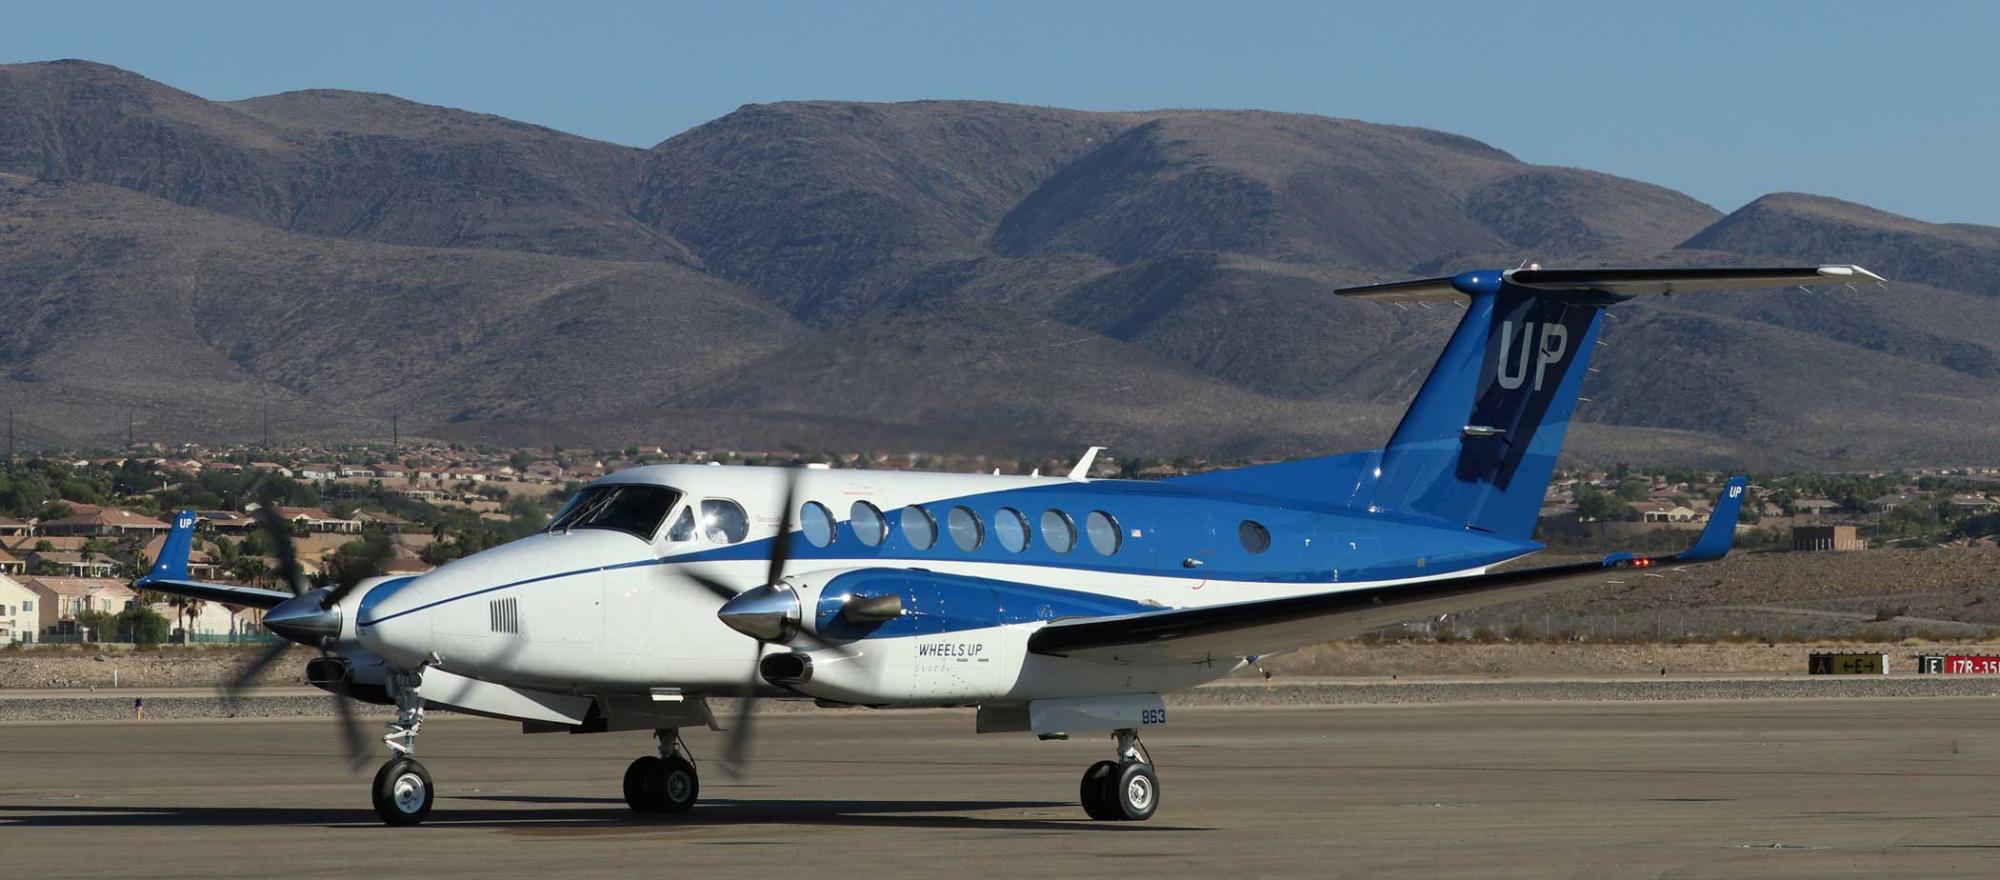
<point>683,528</point>
<point>634,509</point>
<point>723,521</point>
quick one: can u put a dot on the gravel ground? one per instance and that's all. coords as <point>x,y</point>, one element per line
<point>117,706</point>
<point>102,665</point>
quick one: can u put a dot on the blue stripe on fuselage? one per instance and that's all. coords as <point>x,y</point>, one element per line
<point>1162,527</point>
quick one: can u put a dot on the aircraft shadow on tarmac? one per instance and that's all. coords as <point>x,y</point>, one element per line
<point>607,814</point>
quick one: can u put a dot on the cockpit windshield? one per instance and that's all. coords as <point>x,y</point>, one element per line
<point>635,509</point>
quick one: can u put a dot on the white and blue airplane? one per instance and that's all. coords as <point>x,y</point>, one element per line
<point>1056,605</point>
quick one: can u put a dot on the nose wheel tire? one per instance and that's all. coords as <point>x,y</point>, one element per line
<point>638,778</point>
<point>403,792</point>
<point>661,785</point>
<point>1136,792</point>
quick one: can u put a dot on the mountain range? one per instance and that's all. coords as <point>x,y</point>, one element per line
<point>934,275</point>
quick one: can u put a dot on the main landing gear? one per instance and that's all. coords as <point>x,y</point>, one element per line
<point>403,792</point>
<point>1123,790</point>
<point>666,784</point>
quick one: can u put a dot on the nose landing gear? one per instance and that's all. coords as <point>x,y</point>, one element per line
<point>664,784</point>
<point>403,792</point>
<point>1123,790</point>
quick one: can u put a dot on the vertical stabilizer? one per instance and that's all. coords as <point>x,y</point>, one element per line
<point>172,564</point>
<point>1478,444</point>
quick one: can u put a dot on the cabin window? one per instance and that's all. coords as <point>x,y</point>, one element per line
<point>682,530</point>
<point>633,508</point>
<point>918,527</point>
<point>1103,531</point>
<point>966,531</point>
<point>1058,531</point>
<point>866,520</point>
<point>817,523</point>
<point>1011,528</point>
<point>723,521</point>
<point>1254,536</point>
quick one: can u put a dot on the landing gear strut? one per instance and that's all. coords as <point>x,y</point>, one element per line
<point>664,784</point>
<point>403,792</point>
<point>1123,790</point>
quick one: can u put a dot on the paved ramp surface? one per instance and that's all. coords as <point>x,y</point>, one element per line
<point>1785,788</point>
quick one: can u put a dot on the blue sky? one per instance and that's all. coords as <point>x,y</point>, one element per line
<point>1892,105</point>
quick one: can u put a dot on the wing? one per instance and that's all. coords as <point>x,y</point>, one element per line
<point>1616,282</point>
<point>1267,626</point>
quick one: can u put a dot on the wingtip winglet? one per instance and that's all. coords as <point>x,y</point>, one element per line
<point>1720,533</point>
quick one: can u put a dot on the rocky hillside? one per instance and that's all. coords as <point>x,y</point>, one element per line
<point>925,275</point>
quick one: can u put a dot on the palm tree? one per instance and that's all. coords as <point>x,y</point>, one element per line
<point>180,610</point>
<point>194,608</point>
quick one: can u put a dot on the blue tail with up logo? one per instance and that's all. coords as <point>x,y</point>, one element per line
<point>1477,446</point>
<point>172,563</point>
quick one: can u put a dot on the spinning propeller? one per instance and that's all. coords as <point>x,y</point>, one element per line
<point>310,617</point>
<point>767,613</point>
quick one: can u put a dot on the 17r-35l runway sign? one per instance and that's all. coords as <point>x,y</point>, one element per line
<point>1959,664</point>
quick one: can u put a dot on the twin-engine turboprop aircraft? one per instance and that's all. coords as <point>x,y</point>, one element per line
<point>1055,605</point>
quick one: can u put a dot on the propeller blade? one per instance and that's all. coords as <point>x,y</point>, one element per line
<point>351,738</point>
<point>735,753</point>
<point>248,672</point>
<point>281,544</point>
<point>781,546</point>
<point>721,590</point>
<point>354,571</point>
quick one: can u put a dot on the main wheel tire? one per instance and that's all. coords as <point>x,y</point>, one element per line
<point>1136,792</point>
<point>1095,792</point>
<point>642,786</point>
<point>403,792</point>
<point>679,786</point>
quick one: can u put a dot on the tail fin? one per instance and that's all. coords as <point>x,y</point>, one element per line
<point>1478,444</point>
<point>172,564</point>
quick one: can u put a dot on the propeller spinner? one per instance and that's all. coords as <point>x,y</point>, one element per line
<point>312,617</point>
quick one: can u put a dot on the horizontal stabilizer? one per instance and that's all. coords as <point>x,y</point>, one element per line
<point>226,594</point>
<point>1618,283</point>
<point>169,573</point>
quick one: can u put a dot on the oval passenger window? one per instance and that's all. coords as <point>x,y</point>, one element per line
<point>1103,531</point>
<point>1058,531</point>
<point>817,523</point>
<point>965,529</point>
<point>918,527</point>
<point>866,520</point>
<point>1011,528</point>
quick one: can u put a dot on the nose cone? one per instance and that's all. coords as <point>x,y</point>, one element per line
<point>301,619</point>
<point>769,613</point>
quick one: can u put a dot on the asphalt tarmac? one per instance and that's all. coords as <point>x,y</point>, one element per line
<point>1741,788</point>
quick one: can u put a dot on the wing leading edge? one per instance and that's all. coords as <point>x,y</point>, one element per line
<point>1268,626</point>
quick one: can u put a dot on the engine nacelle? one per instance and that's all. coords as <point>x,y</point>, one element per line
<point>879,635</point>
